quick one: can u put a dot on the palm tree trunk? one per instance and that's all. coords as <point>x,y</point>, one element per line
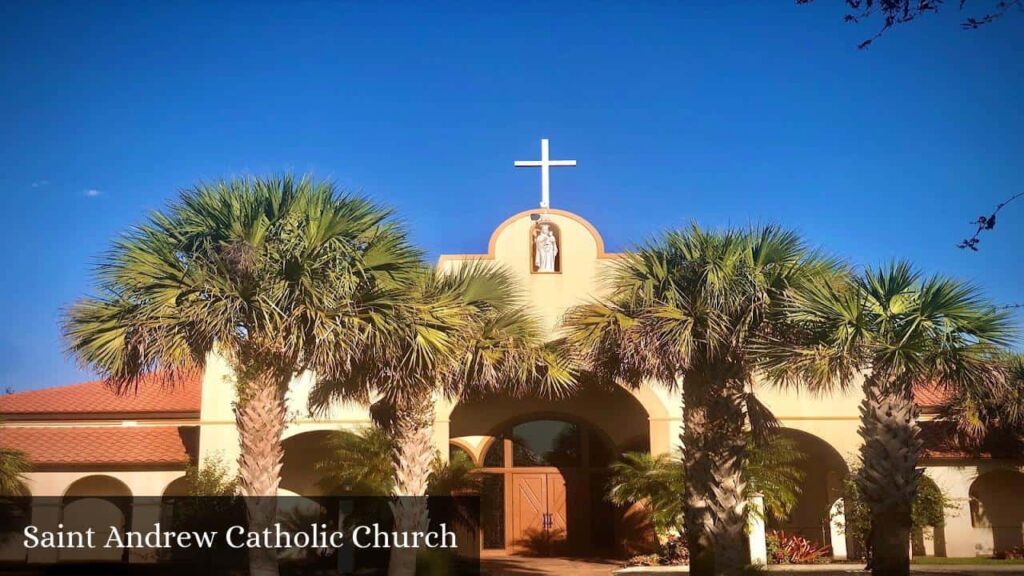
<point>260,418</point>
<point>888,475</point>
<point>726,447</point>
<point>696,512</point>
<point>414,452</point>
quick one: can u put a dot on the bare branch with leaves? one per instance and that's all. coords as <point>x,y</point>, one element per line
<point>985,223</point>
<point>895,12</point>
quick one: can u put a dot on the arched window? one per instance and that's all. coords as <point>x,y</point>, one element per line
<point>548,442</point>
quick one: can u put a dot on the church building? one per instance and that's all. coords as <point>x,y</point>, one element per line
<point>83,441</point>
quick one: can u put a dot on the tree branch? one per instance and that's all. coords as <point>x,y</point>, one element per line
<point>986,223</point>
<point>894,12</point>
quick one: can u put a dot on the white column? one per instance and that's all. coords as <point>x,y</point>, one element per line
<point>756,530</point>
<point>837,530</point>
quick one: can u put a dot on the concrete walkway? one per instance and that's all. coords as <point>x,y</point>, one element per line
<point>526,566</point>
<point>843,570</point>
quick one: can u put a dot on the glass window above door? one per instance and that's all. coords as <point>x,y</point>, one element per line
<point>546,443</point>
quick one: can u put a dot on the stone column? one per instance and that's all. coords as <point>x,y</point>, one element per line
<point>756,531</point>
<point>837,530</point>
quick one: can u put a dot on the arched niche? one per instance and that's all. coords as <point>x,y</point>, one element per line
<point>544,228</point>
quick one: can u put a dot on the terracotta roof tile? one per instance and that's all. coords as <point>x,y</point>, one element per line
<point>151,396</point>
<point>931,396</point>
<point>108,445</point>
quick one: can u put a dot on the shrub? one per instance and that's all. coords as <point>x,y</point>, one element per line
<point>786,548</point>
<point>1015,553</point>
<point>643,560</point>
<point>672,552</point>
<point>928,509</point>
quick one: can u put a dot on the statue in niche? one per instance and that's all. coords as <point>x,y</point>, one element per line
<point>545,249</point>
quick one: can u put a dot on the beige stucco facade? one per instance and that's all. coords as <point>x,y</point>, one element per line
<point>650,416</point>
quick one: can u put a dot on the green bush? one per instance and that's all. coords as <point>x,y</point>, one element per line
<point>928,509</point>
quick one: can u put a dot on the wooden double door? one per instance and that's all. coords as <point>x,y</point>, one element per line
<point>539,523</point>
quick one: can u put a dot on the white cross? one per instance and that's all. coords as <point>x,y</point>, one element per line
<point>545,164</point>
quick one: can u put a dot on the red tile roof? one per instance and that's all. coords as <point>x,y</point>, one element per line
<point>931,396</point>
<point>107,445</point>
<point>153,396</point>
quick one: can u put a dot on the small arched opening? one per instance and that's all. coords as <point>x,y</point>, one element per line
<point>997,509</point>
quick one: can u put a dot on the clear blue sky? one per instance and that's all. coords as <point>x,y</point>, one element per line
<point>719,112</point>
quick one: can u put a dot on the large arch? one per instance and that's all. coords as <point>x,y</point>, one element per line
<point>302,453</point>
<point>824,471</point>
<point>96,502</point>
<point>546,467</point>
<point>625,415</point>
<point>997,509</point>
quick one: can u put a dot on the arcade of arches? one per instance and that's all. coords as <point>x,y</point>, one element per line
<point>545,460</point>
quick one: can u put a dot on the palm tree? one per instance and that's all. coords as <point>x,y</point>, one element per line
<point>899,331</point>
<point>359,463</point>
<point>685,310</point>
<point>465,332</point>
<point>279,275</point>
<point>771,469</point>
<point>13,467</point>
<point>989,414</point>
<point>654,480</point>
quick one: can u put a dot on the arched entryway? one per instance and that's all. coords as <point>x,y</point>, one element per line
<point>100,503</point>
<point>303,453</point>
<point>545,466</point>
<point>997,509</point>
<point>824,473</point>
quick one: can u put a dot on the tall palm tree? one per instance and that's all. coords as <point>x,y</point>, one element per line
<point>684,310</point>
<point>898,331</point>
<point>465,332</point>
<point>279,275</point>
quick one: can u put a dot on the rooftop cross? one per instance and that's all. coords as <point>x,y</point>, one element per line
<point>545,164</point>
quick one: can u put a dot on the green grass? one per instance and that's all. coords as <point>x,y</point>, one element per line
<point>934,560</point>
